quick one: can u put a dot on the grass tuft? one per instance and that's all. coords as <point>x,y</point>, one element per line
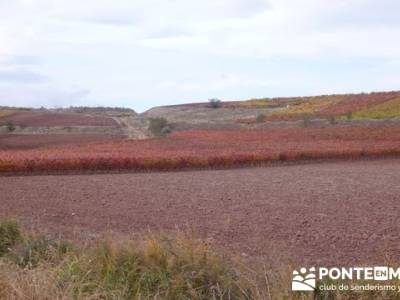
<point>10,235</point>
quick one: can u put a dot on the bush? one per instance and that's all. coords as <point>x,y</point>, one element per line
<point>306,120</point>
<point>332,120</point>
<point>349,115</point>
<point>215,103</point>
<point>10,126</point>
<point>9,236</point>
<point>261,118</point>
<point>159,126</point>
<point>166,130</point>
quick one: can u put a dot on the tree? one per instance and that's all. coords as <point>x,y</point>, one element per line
<point>159,126</point>
<point>332,120</point>
<point>10,126</point>
<point>215,103</point>
<point>261,118</point>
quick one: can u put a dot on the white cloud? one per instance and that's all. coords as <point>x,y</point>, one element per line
<point>122,49</point>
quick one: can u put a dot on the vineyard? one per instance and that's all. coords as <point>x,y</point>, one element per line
<point>361,106</point>
<point>48,119</point>
<point>388,109</point>
<point>31,141</point>
<point>209,148</point>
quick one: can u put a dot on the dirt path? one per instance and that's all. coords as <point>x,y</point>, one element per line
<point>134,127</point>
<point>326,213</point>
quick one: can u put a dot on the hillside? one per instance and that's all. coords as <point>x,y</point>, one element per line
<point>377,105</point>
<point>317,111</point>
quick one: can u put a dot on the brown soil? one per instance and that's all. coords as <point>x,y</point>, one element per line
<point>21,141</point>
<point>342,213</point>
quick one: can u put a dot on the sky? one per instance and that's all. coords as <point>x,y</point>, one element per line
<point>145,53</point>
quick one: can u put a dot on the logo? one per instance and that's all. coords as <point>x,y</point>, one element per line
<point>303,280</point>
<point>306,280</point>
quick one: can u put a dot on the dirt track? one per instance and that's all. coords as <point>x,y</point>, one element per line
<point>324,213</point>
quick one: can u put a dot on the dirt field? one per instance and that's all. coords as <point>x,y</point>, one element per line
<point>323,213</point>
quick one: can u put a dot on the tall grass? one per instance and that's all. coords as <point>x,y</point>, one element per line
<point>154,268</point>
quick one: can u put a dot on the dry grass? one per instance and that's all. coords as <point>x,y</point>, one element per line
<point>154,268</point>
<point>159,267</point>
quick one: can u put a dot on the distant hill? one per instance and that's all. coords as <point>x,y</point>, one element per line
<point>96,110</point>
<point>377,105</point>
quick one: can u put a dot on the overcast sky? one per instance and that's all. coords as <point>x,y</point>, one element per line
<point>143,53</point>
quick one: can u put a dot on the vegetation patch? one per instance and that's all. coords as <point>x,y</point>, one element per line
<point>159,126</point>
<point>386,110</point>
<point>210,148</point>
<point>154,267</point>
<point>308,106</point>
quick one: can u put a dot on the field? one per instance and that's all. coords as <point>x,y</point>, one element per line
<point>32,141</point>
<point>387,109</point>
<point>361,106</point>
<point>312,182</point>
<point>209,148</point>
<point>49,119</point>
<point>322,213</point>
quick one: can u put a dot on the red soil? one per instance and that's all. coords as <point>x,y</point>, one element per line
<point>342,213</point>
<point>49,119</point>
<point>210,148</point>
<point>25,141</point>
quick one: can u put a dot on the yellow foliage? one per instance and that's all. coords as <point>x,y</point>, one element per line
<point>310,105</point>
<point>386,110</point>
<point>264,102</point>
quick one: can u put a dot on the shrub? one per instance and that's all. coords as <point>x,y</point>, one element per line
<point>10,126</point>
<point>215,103</point>
<point>349,115</point>
<point>159,126</point>
<point>306,120</point>
<point>166,130</point>
<point>332,120</point>
<point>261,118</point>
<point>9,236</point>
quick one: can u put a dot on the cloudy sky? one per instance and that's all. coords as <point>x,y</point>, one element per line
<point>142,53</point>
